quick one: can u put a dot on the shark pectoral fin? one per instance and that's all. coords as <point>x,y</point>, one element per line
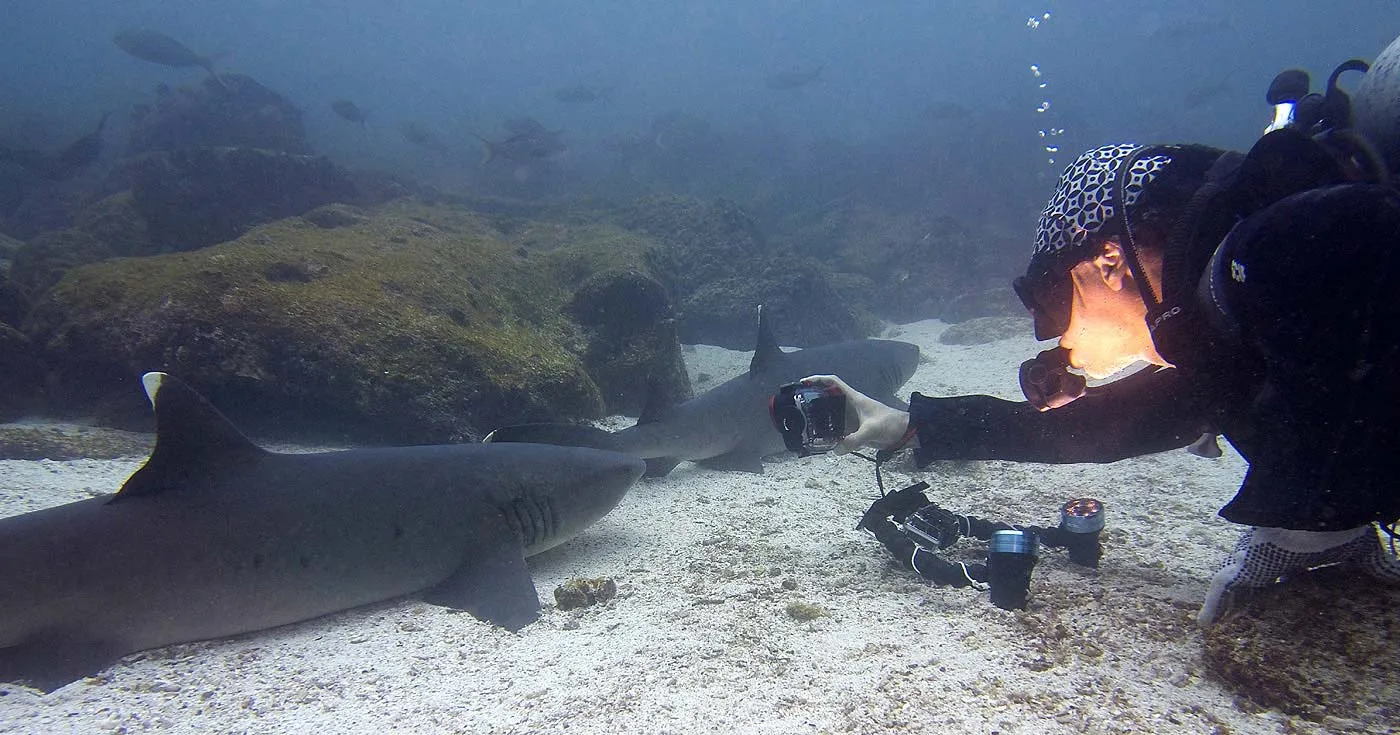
<point>48,661</point>
<point>735,461</point>
<point>495,587</point>
<point>660,466</point>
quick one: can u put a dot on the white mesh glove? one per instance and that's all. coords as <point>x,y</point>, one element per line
<point>869,422</point>
<point>1263,555</point>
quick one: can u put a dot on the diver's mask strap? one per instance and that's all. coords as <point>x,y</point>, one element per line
<point>1129,244</point>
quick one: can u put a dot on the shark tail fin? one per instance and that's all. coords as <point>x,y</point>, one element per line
<point>564,435</point>
<point>192,439</point>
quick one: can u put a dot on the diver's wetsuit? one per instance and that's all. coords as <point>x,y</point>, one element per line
<point>1305,381</point>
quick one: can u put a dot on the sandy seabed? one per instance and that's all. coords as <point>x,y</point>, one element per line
<point>701,638</point>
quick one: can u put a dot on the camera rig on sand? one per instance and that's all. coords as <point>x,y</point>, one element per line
<point>913,529</point>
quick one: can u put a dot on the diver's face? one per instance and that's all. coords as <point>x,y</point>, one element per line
<point>1107,322</point>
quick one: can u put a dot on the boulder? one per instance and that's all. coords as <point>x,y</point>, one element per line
<point>720,268</point>
<point>41,262</point>
<point>115,221</point>
<point>197,197</point>
<point>21,374</point>
<point>233,111</point>
<point>414,324</point>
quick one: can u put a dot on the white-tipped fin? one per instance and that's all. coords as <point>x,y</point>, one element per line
<point>152,382</point>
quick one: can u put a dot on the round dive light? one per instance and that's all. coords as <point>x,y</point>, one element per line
<point>1081,520</point>
<point>1011,555</point>
<point>1082,515</point>
<point>1014,541</point>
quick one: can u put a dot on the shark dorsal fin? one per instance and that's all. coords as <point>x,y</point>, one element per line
<point>766,353</point>
<point>192,438</point>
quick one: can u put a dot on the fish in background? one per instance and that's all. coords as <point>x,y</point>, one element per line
<point>349,111</point>
<point>528,141</point>
<point>158,48</point>
<point>795,78</point>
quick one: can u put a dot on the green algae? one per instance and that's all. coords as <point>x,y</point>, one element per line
<point>418,322</point>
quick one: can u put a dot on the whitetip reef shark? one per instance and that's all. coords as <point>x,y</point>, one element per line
<point>215,536</point>
<point>729,427</point>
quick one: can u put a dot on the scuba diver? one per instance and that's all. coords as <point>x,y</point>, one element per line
<point>1263,292</point>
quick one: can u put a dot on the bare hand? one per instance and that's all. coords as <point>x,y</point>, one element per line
<point>869,423</point>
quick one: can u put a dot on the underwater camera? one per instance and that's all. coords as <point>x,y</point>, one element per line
<point>812,419</point>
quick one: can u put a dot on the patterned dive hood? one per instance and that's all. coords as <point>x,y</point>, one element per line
<point>1085,202</point>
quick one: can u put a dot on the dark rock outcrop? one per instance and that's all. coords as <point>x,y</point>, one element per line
<point>115,221</point>
<point>719,265</point>
<point>197,197</point>
<point>41,262</point>
<point>233,111</point>
<point>21,374</point>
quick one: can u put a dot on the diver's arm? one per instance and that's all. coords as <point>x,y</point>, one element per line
<point>1148,412</point>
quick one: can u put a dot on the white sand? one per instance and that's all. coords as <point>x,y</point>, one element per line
<point>699,639</point>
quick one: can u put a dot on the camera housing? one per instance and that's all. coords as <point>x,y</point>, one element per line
<point>812,419</point>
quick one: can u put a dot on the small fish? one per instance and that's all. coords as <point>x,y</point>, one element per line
<point>795,78</point>
<point>522,147</point>
<point>418,134</point>
<point>527,126</point>
<point>581,94</point>
<point>159,48</point>
<point>349,111</point>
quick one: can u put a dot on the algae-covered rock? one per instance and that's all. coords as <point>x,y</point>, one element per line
<point>419,324</point>
<point>41,262</point>
<point>21,373</point>
<point>71,442</point>
<point>805,612</point>
<point>46,207</point>
<point>720,267</point>
<point>577,593</point>
<point>13,302</point>
<point>115,221</point>
<point>983,330</point>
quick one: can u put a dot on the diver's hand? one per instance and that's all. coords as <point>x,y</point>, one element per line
<point>869,423</point>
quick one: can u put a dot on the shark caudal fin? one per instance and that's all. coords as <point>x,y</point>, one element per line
<point>192,439</point>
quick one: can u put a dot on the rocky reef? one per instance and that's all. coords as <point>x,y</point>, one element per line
<point>407,323</point>
<point>721,267</point>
